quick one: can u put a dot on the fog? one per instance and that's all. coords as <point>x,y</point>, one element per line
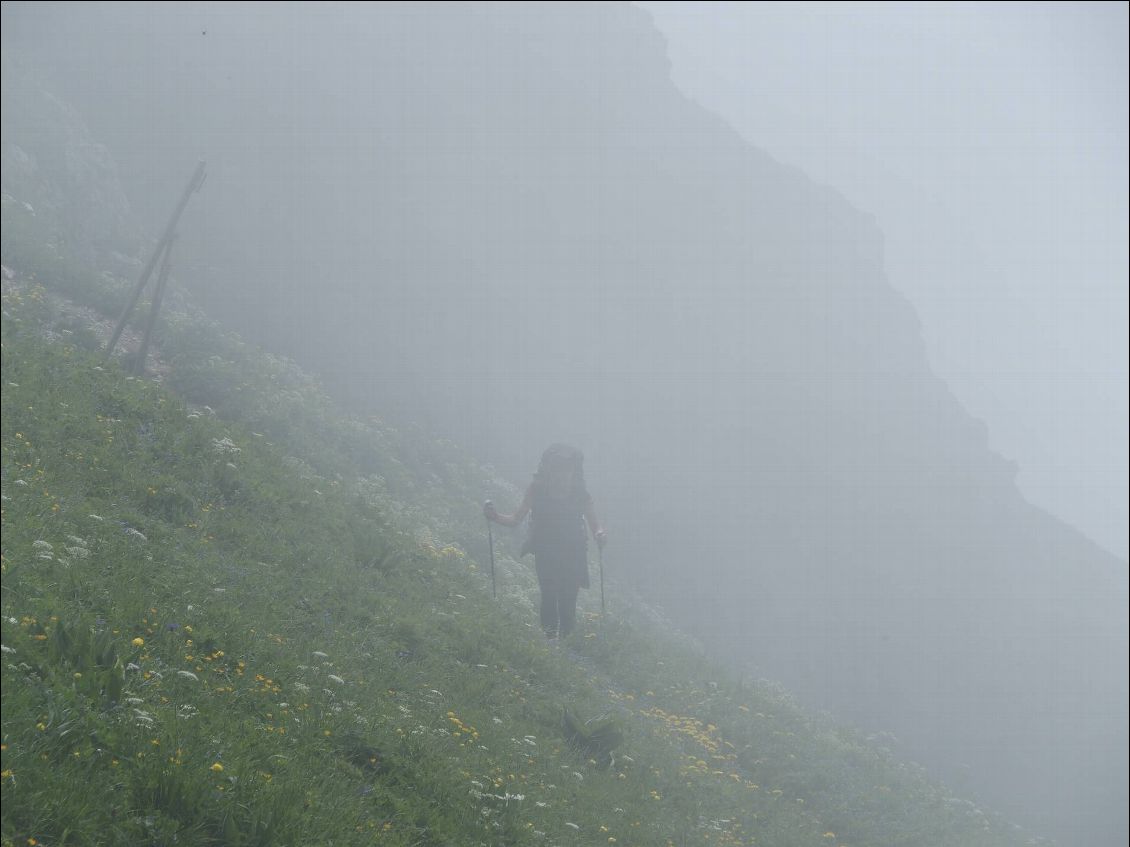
<point>507,224</point>
<point>989,141</point>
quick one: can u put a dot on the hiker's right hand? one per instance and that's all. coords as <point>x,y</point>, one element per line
<point>489,512</point>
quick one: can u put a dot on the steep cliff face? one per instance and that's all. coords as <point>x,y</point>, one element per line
<point>506,222</point>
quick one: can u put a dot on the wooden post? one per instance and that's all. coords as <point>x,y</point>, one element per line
<point>155,306</point>
<point>193,186</point>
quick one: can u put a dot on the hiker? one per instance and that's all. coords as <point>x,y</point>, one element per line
<point>559,506</point>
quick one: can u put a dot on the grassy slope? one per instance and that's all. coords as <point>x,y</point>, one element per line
<point>264,623</point>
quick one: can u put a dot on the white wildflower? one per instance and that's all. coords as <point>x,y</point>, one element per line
<point>4,648</point>
<point>540,804</point>
<point>497,720</point>
<point>96,517</point>
<point>78,552</point>
<point>43,545</point>
<point>319,654</point>
<point>134,701</point>
<point>579,776</point>
<point>224,445</point>
<point>21,482</point>
<point>74,539</point>
<point>572,825</point>
<point>336,679</point>
<point>301,686</point>
<point>47,556</point>
<point>143,718</point>
<point>188,675</point>
<point>136,534</point>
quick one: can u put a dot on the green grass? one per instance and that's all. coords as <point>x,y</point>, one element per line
<point>263,622</point>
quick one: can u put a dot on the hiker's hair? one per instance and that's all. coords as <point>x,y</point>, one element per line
<point>557,455</point>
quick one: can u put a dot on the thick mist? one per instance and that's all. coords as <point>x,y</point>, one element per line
<point>989,141</point>
<point>506,224</point>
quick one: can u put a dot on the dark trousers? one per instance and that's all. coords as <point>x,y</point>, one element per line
<point>558,606</point>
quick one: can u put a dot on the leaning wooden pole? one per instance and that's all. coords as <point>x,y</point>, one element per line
<point>155,306</point>
<point>193,186</point>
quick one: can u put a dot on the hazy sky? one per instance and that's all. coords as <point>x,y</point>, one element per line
<point>990,143</point>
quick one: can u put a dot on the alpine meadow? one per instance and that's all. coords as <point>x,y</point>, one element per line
<point>425,424</point>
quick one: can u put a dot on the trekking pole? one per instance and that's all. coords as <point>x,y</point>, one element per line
<point>490,538</point>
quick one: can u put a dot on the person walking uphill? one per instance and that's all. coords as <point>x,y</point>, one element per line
<point>559,506</point>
